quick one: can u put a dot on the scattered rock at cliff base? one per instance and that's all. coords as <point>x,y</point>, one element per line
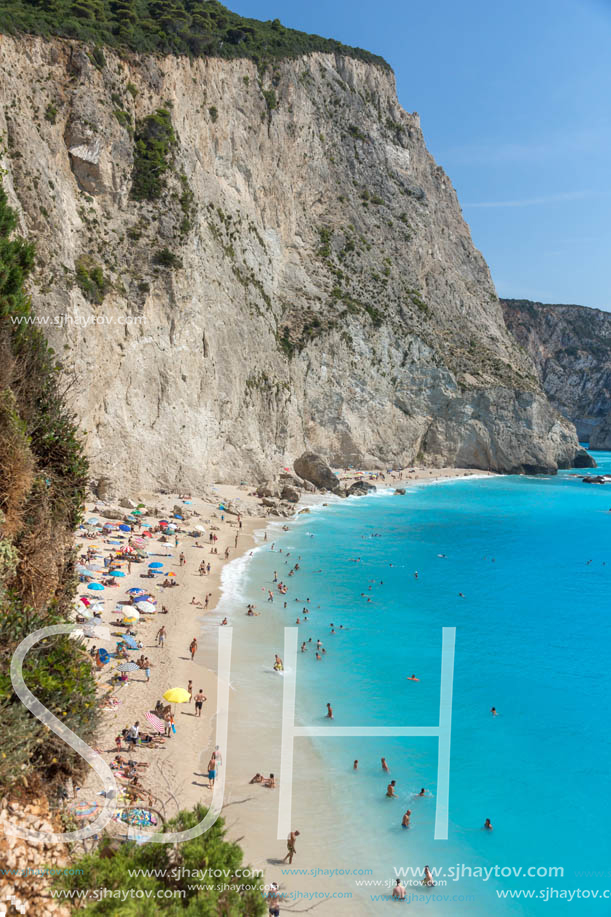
<point>360,489</point>
<point>290,494</point>
<point>596,479</point>
<point>400,491</point>
<point>313,468</point>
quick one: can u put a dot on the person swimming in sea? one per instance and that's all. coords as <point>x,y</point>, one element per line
<point>390,790</point>
<point>412,678</point>
<point>488,825</point>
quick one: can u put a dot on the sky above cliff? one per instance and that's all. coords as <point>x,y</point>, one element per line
<point>514,104</point>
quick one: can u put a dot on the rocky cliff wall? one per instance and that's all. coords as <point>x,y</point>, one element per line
<point>268,262</point>
<point>571,349</point>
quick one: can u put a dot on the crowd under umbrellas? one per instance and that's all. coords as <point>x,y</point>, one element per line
<point>119,617</point>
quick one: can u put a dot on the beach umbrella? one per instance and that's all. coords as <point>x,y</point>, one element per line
<point>97,606</point>
<point>145,525</point>
<point>171,574</point>
<point>137,512</point>
<point>199,528</point>
<point>117,573</point>
<point>155,722</point>
<point>170,528</point>
<point>146,607</point>
<point>130,642</point>
<point>136,590</point>
<point>163,522</point>
<point>87,613</point>
<point>83,570</point>
<point>141,505</point>
<point>85,809</point>
<point>85,600</point>
<point>177,696</point>
<point>156,564</point>
<point>131,616</point>
<point>93,521</point>
<point>147,534</point>
<point>125,528</point>
<point>95,587</point>
<point>128,667</point>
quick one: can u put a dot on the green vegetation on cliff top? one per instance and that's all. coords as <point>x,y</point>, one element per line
<point>198,28</point>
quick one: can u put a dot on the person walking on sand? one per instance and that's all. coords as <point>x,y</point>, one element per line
<point>329,712</point>
<point>147,668</point>
<point>193,648</point>
<point>290,846</point>
<point>182,559</point>
<point>161,635</point>
<point>190,690</point>
<point>211,772</point>
<point>199,701</point>
<point>273,900</point>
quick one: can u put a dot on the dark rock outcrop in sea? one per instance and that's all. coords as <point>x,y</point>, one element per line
<point>360,489</point>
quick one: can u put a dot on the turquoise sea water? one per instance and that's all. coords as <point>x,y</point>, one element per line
<point>531,557</point>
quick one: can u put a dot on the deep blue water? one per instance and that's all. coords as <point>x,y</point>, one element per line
<point>531,557</point>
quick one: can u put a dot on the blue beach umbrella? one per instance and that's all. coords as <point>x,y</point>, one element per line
<point>95,587</point>
<point>125,528</point>
<point>135,590</point>
<point>117,573</point>
<point>156,565</point>
<point>130,642</point>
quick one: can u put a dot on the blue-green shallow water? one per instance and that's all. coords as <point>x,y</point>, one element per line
<point>532,639</point>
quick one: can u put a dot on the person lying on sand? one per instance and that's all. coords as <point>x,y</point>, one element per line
<point>258,778</point>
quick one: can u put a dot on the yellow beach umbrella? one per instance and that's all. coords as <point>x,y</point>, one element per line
<point>131,617</point>
<point>176,696</point>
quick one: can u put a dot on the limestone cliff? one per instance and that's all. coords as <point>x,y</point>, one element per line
<point>272,262</point>
<point>571,349</point>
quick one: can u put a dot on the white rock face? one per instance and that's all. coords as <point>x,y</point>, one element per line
<point>324,293</point>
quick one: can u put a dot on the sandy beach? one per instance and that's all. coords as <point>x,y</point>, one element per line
<point>176,776</point>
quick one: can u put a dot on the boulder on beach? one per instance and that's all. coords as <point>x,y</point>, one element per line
<point>360,489</point>
<point>312,467</point>
<point>290,494</point>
